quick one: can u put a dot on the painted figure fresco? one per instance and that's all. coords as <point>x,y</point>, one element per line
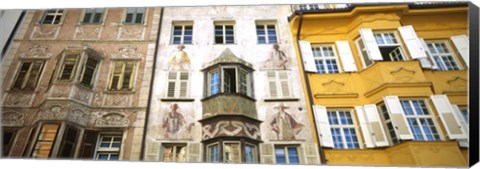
<point>284,125</point>
<point>277,59</point>
<point>179,59</point>
<point>173,121</point>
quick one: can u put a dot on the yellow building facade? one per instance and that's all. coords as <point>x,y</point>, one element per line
<point>387,83</point>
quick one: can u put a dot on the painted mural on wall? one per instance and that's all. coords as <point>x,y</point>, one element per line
<point>175,125</point>
<point>276,59</point>
<point>283,124</point>
<point>179,60</point>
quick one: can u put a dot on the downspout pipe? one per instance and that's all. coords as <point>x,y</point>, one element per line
<point>150,93</point>
<point>309,90</point>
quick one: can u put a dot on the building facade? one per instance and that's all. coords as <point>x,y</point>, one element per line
<point>226,89</point>
<point>75,83</point>
<point>387,83</point>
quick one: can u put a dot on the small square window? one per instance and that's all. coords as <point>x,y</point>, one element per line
<point>266,33</point>
<point>53,16</point>
<point>93,16</point>
<point>224,33</point>
<point>182,34</point>
<point>134,16</point>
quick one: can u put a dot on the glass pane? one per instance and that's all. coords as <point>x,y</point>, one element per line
<point>292,155</point>
<point>280,155</point>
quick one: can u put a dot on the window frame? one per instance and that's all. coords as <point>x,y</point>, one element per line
<point>92,17</point>
<point>388,124</point>
<point>99,150</point>
<point>278,84</point>
<point>465,112</point>
<point>287,155</point>
<point>266,34</point>
<point>417,117</point>
<point>209,154</point>
<point>341,127</point>
<point>239,151</point>
<point>73,73</point>
<point>134,16</point>
<point>133,76</point>
<point>53,141</point>
<point>363,51</point>
<point>28,74</point>
<point>224,32</point>
<point>451,53</point>
<point>174,146</point>
<point>254,152</point>
<point>56,13</point>
<point>7,147</point>
<point>325,58</point>
<point>182,36</point>
<point>177,89</point>
<point>85,65</point>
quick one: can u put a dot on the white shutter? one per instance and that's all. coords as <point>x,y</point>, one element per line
<point>376,126</point>
<point>152,152</point>
<point>183,84</point>
<point>410,38</point>
<point>307,56</point>
<point>364,126</point>
<point>427,62</point>
<point>450,121</point>
<point>171,83</point>
<point>267,155</point>
<point>323,126</point>
<point>398,117</point>
<point>272,84</point>
<point>194,152</point>
<point>465,126</point>
<point>461,43</point>
<point>284,83</point>
<point>311,154</point>
<point>370,44</point>
<point>346,55</point>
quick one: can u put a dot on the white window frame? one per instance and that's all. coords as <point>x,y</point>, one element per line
<point>209,82</point>
<point>110,150</point>
<point>418,117</point>
<point>178,84</point>
<point>393,140</point>
<point>58,14</point>
<point>287,155</point>
<point>94,11</point>
<point>340,126</point>
<point>278,84</point>
<point>266,35</point>
<point>209,154</point>
<point>224,32</point>
<point>182,35</point>
<point>451,53</point>
<point>134,15</point>
<point>239,151</point>
<point>319,48</point>
<point>363,51</point>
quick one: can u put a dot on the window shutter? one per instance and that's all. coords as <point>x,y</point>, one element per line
<point>450,121</point>
<point>171,83</point>
<point>370,44</point>
<point>116,74</point>
<point>323,126</point>
<point>364,126</point>
<point>398,117</point>
<point>272,83</point>
<point>183,84</point>
<point>410,38</point>
<point>89,72</point>
<point>465,126</point>
<point>266,153</point>
<point>346,55</point>
<point>127,82</point>
<point>69,66</point>
<point>461,43</point>
<point>69,142</point>
<point>22,74</point>
<point>88,144</point>
<point>311,154</point>
<point>152,151</point>
<point>307,56</point>
<point>34,74</point>
<point>284,83</point>
<point>429,61</point>
<point>376,126</point>
<point>194,152</point>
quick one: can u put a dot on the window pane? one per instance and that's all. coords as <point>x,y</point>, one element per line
<point>280,155</point>
<point>292,155</point>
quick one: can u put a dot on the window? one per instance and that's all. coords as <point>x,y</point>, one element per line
<point>69,65</point>
<point>389,46</point>
<point>266,33</point>
<point>342,128</point>
<point>177,84</point>
<point>325,59</point>
<point>73,62</point>
<point>420,120</point>
<point>279,84</point>
<point>7,143</point>
<point>182,34</point>
<point>229,80</point>
<point>309,7</point>
<point>134,16</point>
<point>250,153</point>
<point>89,70</point>
<point>109,147</point>
<point>171,152</point>
<point>122,76</point>
<point>53,16</point>
<point>69,142</point>
<point>45,141</point>
<point>28,75</point>
<point>232,152</point>
<point>213,153</point>
<point>387,121</point>
<point>93,16</point>
<point>224,33</point>
<point>442,54</point>
<point>287,155</point>
<point>233,80</point>
<point>464,112</point>
<point>214,83</point>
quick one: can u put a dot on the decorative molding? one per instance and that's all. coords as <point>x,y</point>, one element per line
<point>18,99</point>
<point>82,95</point>
<point>45,32</point>
<point>344,95</point>
<point>112,120</point>
<point>127,52</point>
<point>235,128</point>
<point>131,32</point>
<point>402,74</point>
<point>54,112</point>
<point>281,100</point>
<point>88,32</point>
<point>37,51</point>
<point>60,91</point>
<point>117,100</point>
<point>12,119</point>
<point>387,85</point>
<point>177,99</point>
<point>79,116</point>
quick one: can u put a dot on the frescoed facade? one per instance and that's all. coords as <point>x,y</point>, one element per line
<point>233,74</point>
<point>75,83</point>
<point>387,83</point>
